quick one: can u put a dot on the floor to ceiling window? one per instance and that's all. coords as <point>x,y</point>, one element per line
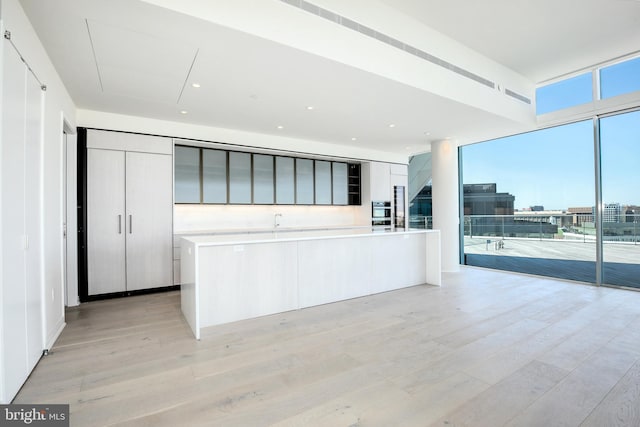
<point>543,203</point>
<point>620,171</point>
<point>528,202</point>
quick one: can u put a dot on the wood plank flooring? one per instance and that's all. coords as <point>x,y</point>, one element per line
<point>488,348</point>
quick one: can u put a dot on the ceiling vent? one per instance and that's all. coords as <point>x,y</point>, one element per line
<point>517,96</point>
<point>369,32</point>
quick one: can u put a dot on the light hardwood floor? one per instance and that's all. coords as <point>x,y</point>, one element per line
<point>486,349</point>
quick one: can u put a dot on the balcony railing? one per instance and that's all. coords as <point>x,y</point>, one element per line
<point>615,228</point>
<point>556,245</point>
<point>421,222</point>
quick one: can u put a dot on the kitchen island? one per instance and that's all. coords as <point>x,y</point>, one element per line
<point>226,278</point>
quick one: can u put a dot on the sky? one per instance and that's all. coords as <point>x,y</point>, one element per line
<point>552,168</point>
<point>555,167</point>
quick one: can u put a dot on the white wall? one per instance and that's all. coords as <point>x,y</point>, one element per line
<point>57,103</point>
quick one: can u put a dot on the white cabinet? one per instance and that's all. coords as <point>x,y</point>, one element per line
<point>106,272</point>
<point>380,181</point>
<point>149,221</point>
<point>129,219</point>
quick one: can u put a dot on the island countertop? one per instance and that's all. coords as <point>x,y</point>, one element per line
<point>292,235</point>
<point>231,277</point>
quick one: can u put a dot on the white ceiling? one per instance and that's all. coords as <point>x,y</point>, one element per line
<point>129,57</point>
<point>540,39</point>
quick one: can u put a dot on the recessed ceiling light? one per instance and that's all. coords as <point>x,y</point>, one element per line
<point>392,125</point>
<point>281,127</point>
<point>427,133</point>
<point>183,112</point>
<point>310,107</point>
<point>195,84</point>
<point>354,139</point>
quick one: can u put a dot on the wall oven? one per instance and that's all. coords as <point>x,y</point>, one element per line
<point>381,214</point>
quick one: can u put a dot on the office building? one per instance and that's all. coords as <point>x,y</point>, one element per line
<point>612,212</point>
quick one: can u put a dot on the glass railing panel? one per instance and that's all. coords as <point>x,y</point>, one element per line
<point>559,245</point>
<point>421,222</point>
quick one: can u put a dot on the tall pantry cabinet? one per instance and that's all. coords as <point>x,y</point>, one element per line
<point>129,206</point>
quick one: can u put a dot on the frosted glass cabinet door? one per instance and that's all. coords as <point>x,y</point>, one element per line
<point>285,181</point>
<point>262,179</point>
<point>340,184</point>
<point>187,171</point>
<point>304,182</point>
<point>214,176</point>
<point>149,221</point>
<point>323,182</point>
<point>105,221</point>
<point>239,178</point>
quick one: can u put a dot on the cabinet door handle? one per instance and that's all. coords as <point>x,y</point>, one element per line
<point>119,224</point>
<point>130,224</point>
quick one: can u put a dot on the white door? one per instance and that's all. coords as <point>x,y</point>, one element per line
<point>149,201</point>
<point>105,221</point>
<point>14,315</point>
<point>21,342</point>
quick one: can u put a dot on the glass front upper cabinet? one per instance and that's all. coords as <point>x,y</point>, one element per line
<point>323,182</point>
<point>214,176</point>
<point>304,182</point>
<point>285,181</point>
<point>239,178</point>
<point>187,174</point>
<point>263,185</point>
<point>340,183</point>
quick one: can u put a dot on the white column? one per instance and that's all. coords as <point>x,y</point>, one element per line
<point>444,157</point>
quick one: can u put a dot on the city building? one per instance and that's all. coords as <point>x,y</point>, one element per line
<point>226,98</point>
<point>612,212</point>
<point>479,199</point>
<point>581,215</point>
<point>483,199</point>
<point>632,213</point>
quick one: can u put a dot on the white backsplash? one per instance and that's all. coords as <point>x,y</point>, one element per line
<point>188,218</point>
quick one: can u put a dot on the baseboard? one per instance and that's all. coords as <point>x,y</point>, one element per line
<point>89,298</point>
<point>51,339</point>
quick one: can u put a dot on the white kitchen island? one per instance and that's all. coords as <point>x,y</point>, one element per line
<point>226,278</point>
